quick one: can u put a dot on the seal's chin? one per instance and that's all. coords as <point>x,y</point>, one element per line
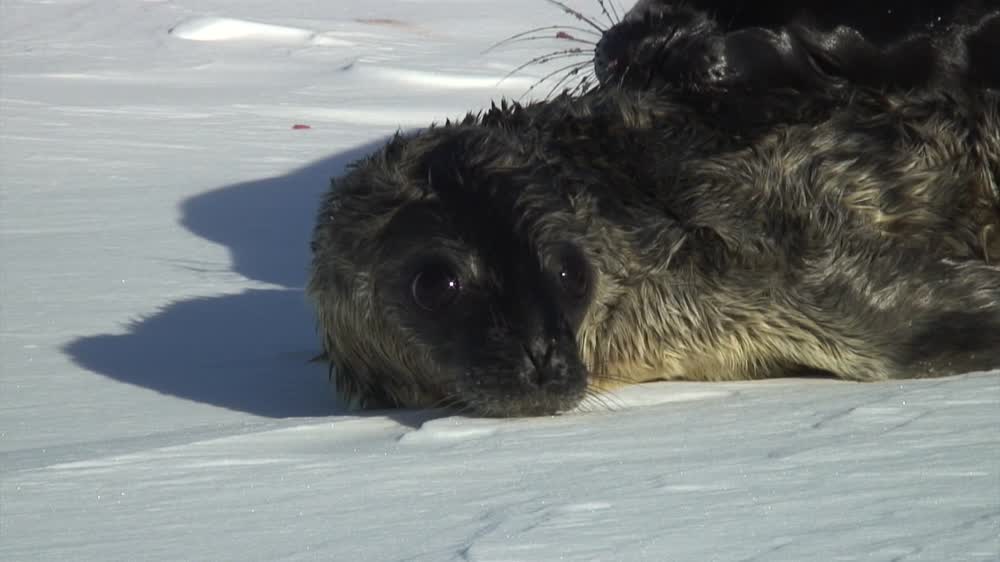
<point>542,403</point>
<point>535,386</point>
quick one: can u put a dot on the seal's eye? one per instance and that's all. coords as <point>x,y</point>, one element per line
<point>574,275</point>
<point>435,287</point>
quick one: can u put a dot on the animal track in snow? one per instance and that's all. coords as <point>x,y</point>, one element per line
<point>229,29</point>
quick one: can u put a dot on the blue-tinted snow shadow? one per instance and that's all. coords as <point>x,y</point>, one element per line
<point>248,351</point>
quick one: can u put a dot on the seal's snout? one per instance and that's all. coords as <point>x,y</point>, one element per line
<point>549,367</point>
<point>608,54</point>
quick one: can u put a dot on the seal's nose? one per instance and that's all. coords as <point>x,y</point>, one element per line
<point>551,362</point>
<point>543,370</point>
<point>607,55</point>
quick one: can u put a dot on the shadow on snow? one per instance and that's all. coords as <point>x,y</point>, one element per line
<point>249,351</point>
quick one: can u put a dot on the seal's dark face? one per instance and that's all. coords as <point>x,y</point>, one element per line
<point>431,292</point>
<point>496,315</point>
<point>657,43</point>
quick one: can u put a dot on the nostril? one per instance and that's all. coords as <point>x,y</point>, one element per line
<point>531,357</point>
<point>543,358</point>
<point>549,350</point>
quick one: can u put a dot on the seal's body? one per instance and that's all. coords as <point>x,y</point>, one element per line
<point>814,45</point>
<point>508,263</point>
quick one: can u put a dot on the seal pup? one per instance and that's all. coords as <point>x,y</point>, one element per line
<point>815,45</point>
<point>510,263</point>
<point>810,46</point>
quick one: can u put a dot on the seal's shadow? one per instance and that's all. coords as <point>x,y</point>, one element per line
<point>248,351</point>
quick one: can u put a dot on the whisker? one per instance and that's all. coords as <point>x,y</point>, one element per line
<point>614,378</point>
<point>454,403</point>
<point>591,81</point>
<point>581,87</point>
<point>581,407</point>
<point>540,38</point>
<point>550,75</point>
<point>591,73</point>
<point>586,405</point>
<point>446,402</point>
<point>604,10</point>
<point>605,404</point>
<point>466,408</point>
<point>621,81</point>
<point>576,51</point>
<point>574,72</point>
<point>606,401</point>
<point>614,403</point>
<point>544,28</point>
<point>576,14</point>
<point>618,9</point>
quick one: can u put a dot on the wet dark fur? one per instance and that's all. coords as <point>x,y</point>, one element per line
<point>849,238</point>
<point>814,45</point>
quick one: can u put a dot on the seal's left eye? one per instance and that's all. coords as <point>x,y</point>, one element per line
<point>574,274</point>
<point>435,287</point>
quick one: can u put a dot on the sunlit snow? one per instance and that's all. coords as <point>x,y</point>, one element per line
<point>156,396</point>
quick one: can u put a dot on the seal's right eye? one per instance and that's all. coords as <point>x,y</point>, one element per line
<point>574,273</point>
<point>435,287</point>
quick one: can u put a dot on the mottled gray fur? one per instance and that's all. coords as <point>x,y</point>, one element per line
<point>857,239</point>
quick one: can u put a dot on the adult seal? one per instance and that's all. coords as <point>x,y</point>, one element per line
<point>511,263</point>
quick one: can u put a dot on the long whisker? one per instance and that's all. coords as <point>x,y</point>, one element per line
<point>446,402</point>
<point>581,87</point>
<point>466,408</point>
<point>574,72</point>
<point>604,10</point>
<point>621,81</point>
<point>611,377</point>
<point>586,405</point>
<point>576,51</point>
<point>544,37</point>
<point>613,401</point>
<point>544,28</point>
<point>576,14</point>
<point>550,75</point>
<point>605,400</point>
<point>616,10</point>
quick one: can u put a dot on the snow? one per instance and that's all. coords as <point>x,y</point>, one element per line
<point>157,397</point>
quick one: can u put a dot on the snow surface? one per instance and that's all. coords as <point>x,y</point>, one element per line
<point>156,402</point>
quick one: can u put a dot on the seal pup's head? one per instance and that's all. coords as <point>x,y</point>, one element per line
<point>448,270</point>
